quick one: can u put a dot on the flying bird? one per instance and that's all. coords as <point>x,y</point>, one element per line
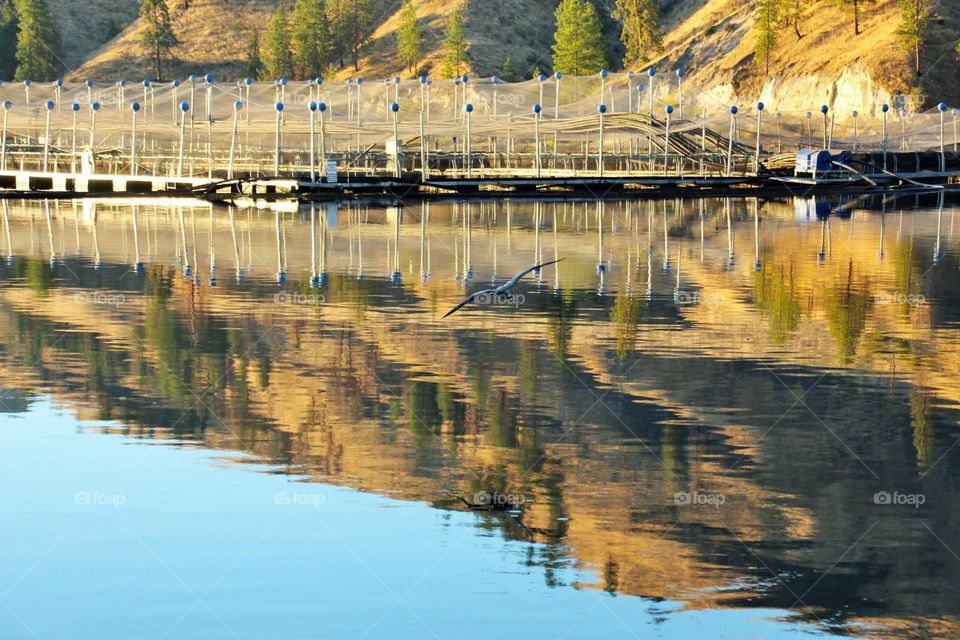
<point>505,289</point>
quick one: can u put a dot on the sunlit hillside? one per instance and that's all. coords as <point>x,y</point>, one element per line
<point>713,39</point>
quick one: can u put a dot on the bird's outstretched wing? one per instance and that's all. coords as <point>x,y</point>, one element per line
<point>468,300</point>
<point>517,278</point>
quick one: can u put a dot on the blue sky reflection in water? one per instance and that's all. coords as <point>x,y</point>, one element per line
<point>721,418</point>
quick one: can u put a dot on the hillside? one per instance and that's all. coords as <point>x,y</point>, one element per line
<point>86,25</point>
<point>713,39</point>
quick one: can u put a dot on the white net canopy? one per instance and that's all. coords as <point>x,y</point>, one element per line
<point>241,125</point>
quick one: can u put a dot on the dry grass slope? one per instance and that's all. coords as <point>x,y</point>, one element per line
<point>85,25</point>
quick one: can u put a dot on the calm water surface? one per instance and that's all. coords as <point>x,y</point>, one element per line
<point>714,418</point>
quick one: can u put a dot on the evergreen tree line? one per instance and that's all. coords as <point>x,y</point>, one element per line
<point>310,38</point>
<point>773,17</point>
<point>315,37</point>
<point>29,43</point>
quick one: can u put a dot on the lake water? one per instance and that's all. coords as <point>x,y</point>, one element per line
<point>714,418</point>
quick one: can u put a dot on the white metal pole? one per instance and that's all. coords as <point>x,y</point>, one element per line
<point>184,107</point>
<point>46,137</point>
<point>652,72</point>
<point>756,157</point>
<point>134,107</point>
<point>237,106</point>
<point>733,126</point>
<point>424,149</point>
<point>313,143</point>
<point>884,109</point>
<point>467,146</point>
<point>276,148</point>
<point>602,109</point>
<point>93,123</point>
<point>666,141</point>
<point>398,170</point>
<point>3,135</point>
<point>323,135</point>
<point>537,109</point>
<point>680,74</point>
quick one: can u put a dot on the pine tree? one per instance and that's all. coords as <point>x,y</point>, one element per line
<point>914,25</point>
<point>8,39</point>
<point>9,24</point>
<point>855,6</point>
<point>795,12</point>
<point>767,20</point>
<point>579,46</point>
<point>310,38</point>
<point>409,37</point>
<point>454,47</point>
<point>641,34</point>
<point>278,59</point>
<point>158,38</point>
<point>509,74</point>
<point>353,29</point>
<point>335,12</point>
<point>253,66</point>
<point>37,42</point>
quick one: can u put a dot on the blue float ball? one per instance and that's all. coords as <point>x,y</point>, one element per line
<point>248,81</point>
<point>884,107</point>
<point>669,109</point>
<point>283,82</point>
<point>602,108</point>
<point>541,77</point>
<point>652,71</point>
<point>423,79</point>
<point>760,106</point>
<point>50,105</point>
<point>75,106</point>
<point>537,108</point>
<point>942,106</point>
<point>322,107</point>
<point>135,106</point>
<point>7,105</point>
<point>238,105</point>
<point>604,73</point>
<point>146,83</point>
<point>557,75</point>
<point>208,78</point>
<point>95,106</point>
<point>192,77</point>
<point>359,80</point>
<point>824,109</point>
<point>734,110</point>
<point>394,107</point>
<point>318,80</point>
<point>465,78</point>
<point>469,108</point>
<point>58,82</point>
<point>396,79</point>
<point>312,106</point>
<point>279,106</point>
<point>184,106</point>
<point>681,72</point>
